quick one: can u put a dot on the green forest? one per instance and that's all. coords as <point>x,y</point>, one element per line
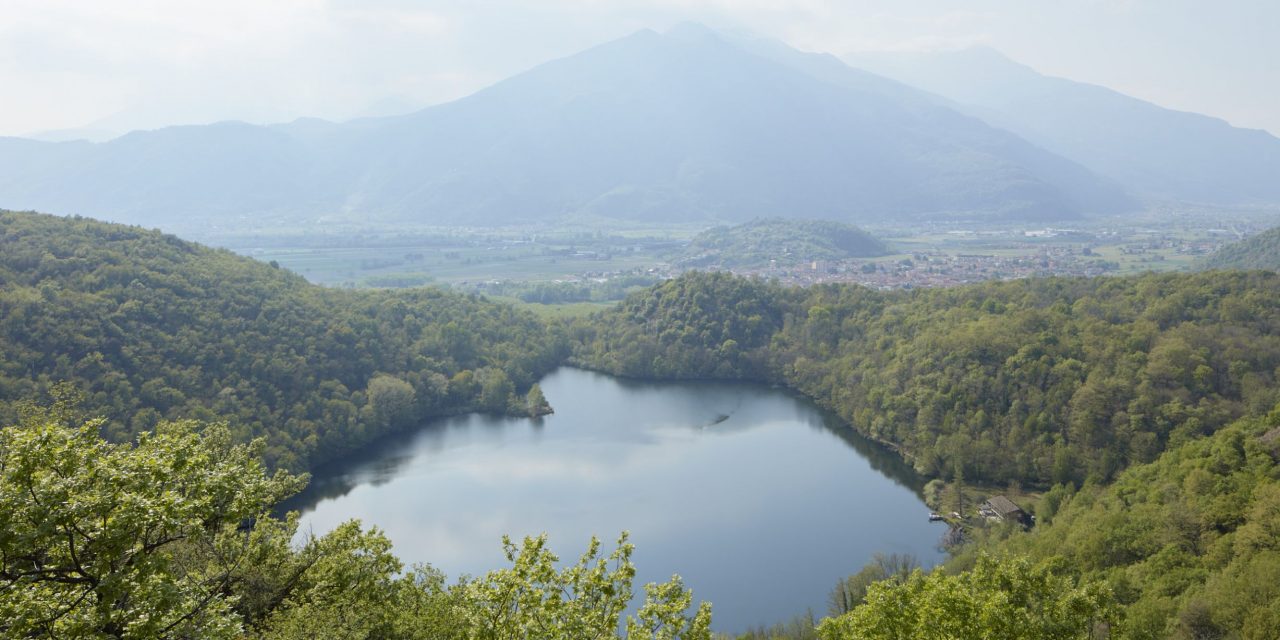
<point>148,327</point>
<point>1038,381</point>
<point>760,243</point>
<point>1188,546</point>
<point>159,398</point>
<point>1258,252</point>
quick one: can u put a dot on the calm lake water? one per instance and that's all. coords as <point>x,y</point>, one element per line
<point>753,495</point>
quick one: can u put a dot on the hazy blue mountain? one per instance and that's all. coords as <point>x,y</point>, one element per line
<point>218,171</point>
<point>88,133</point>
<point>687,124</point>
<point>1156,152</point>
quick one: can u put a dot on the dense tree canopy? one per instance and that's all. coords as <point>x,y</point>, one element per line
<point>775,241</point>
<point>1190,543</point>
<point>1038,381</point>
<point>1140,405</point>
<point>1258,252</point>
<point>101,539</point>
<point>999,599</point>
<point>151,327</point>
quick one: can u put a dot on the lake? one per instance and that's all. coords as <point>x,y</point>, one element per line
<point>756,497</point>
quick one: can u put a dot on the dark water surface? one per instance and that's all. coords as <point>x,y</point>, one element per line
<point>754,496</point>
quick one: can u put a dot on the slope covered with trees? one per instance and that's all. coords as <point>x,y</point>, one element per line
<point>1189,544</point>
<point>147,326</point>
<point>1037,381</point>
<point>1140,405</point>
<point>759,243</point>
<point>1258,252</point>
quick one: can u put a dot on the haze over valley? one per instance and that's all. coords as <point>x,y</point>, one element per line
<point>688,124</point>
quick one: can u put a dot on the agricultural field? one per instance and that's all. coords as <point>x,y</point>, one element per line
<point>578,267</point>
<point>390,257</point>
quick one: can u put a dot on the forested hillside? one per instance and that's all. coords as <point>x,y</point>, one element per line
<point>148,327</point>
<point>1258,252</point>
<point>1189,544</point>
<point>1038,381</point>
<point>1143,406</point>
<point>760,243</point>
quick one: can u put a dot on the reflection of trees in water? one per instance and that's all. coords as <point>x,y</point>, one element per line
<point>882,459</point>
<point>386,458</point>
<point>708,403</point>
<point>376,464</point>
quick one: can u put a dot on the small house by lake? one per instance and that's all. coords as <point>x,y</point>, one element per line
<point>1002,508</point>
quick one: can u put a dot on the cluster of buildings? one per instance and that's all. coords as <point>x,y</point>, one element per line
<point>938,269</point>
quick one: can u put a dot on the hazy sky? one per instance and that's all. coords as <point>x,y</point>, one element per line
<point>123,64</point>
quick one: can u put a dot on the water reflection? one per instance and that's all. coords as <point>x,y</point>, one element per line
<point>757,498</point>
<point>880,457</point>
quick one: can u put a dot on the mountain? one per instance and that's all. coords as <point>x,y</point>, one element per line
<point>761,243</point>
<point>91,134</point>
<point>1256,252</point>
<point>1157,152</point>
<point>221,172</point>
<point>689,124</point>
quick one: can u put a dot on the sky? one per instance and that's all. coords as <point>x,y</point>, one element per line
<point>118,65</point>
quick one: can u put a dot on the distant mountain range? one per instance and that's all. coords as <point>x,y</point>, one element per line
<point>690,124</point>
<point>1155,152</point>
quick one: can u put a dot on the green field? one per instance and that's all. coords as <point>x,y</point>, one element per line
<point>592,252</point>
<point>388,256</point>
<point>362,266</point>
<point>555,311</point>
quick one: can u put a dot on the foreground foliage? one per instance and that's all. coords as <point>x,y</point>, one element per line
<point>150,327</point>
<point>125,541</point>
<point>172,538</point>
<point>999,599</point>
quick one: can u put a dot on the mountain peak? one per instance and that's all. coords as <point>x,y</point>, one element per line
<point>691,123</point>
<point>693,29</point>
<point>992,60</point>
